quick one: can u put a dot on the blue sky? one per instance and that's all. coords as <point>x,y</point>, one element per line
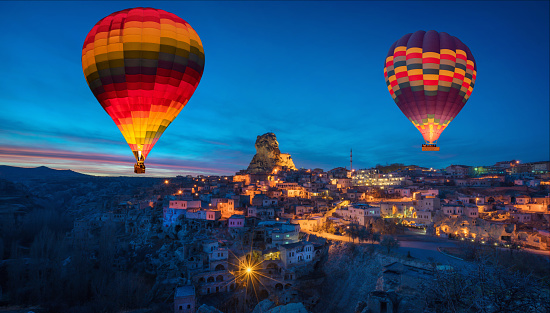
<point>311,72</point>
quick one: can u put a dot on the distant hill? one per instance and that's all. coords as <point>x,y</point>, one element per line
<point>13,173</point>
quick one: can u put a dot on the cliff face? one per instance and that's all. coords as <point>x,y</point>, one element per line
<point>268,156</point>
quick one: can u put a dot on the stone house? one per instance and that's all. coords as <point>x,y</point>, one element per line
<point>226,206</point>
<point>296,253</point>
<point>184,299</point>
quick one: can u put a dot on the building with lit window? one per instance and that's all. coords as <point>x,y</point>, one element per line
<point>373,177</point>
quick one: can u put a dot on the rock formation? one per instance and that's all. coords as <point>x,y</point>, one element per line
<point>268,157</point>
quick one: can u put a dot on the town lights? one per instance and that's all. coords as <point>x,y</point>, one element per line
<point>249,270</point>
<point>166,182</point>
<point>179,191</point>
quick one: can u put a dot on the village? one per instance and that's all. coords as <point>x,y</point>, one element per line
<point>272,224</point>
<point>262,238</point>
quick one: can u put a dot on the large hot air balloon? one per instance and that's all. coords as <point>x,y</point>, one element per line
<point>430,76</point>
<point>142,65</point>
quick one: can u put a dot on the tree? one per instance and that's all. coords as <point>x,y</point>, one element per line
<point>353,231</point>
<point>389,242</point>
<point>375,237</point>
<point>486,287</point>
<point>364,234</point>
<point>331,229</point>
<point>389,227</point>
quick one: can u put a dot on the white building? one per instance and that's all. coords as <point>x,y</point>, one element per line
<point>428,203</point>
<point>171,215</point>
<point>453,210</point>
<point>285,233</point>
<point>262,212</point>
<point>296,253</point>
<point>310,224</point>
<point>185,204</point>
<point>214,252</point>
<point>358,212</point>
<point>303,209</point>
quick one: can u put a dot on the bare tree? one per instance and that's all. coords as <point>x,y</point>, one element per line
<point>389,242</point>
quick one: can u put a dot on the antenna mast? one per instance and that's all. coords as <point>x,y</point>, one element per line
<point>350,159</point>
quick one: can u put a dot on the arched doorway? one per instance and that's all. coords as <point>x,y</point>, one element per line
<point>272,268</point>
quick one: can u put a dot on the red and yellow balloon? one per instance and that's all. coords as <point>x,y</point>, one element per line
<point>143,65</point>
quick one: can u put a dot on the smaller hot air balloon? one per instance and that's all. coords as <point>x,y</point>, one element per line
<point>430,76</point>
<point>143,65</point>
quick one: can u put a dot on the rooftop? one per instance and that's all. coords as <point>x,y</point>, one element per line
<point>295,244</point>
<point>270,250</point>
<point>185,291</point>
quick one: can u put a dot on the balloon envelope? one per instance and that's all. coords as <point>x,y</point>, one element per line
<point>142,65</point>
<point>430,76</point>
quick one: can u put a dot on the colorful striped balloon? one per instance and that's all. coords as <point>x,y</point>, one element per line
<point>430,76</point>
<point>143,65</point>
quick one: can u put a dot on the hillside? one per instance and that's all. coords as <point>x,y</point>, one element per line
<point>17,174</point>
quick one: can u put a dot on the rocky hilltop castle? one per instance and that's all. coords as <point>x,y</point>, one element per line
<point>268,157</point>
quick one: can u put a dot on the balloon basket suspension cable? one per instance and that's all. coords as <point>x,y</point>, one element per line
<point>430,146</point>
